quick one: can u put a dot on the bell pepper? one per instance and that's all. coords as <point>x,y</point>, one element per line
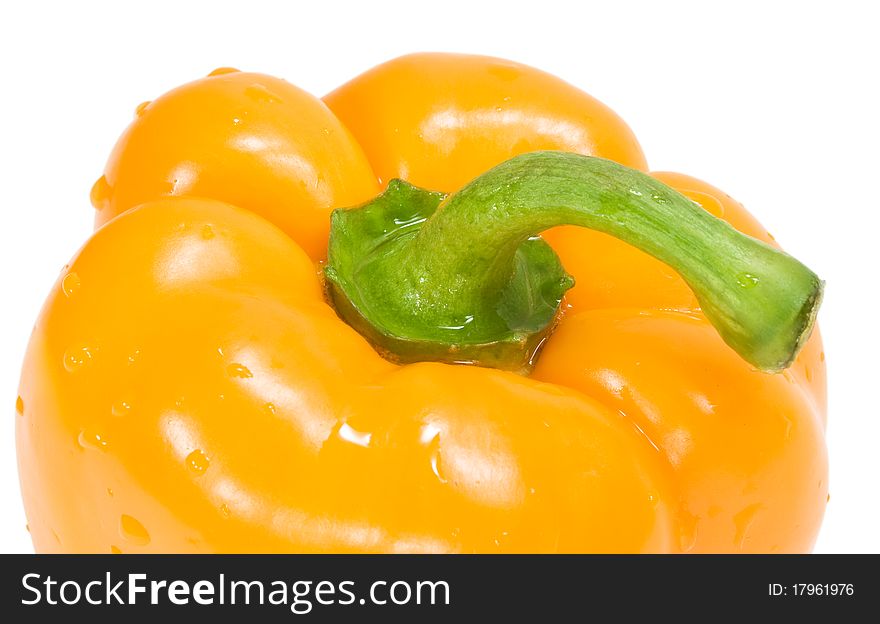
<point>227,366</point>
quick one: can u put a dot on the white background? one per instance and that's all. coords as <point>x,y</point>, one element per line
<point>774,102</point>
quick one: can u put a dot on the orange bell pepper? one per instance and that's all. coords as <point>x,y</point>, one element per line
<point>188,388</point>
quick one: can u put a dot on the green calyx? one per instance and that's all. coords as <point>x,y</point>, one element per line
<point>463,278</point>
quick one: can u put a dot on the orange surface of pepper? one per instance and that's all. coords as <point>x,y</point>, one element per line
<point>188,389</point>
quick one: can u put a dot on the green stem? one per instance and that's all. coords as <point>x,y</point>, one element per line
<point>463,278</point>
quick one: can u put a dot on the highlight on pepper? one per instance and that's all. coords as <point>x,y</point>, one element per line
<point>447,308</point>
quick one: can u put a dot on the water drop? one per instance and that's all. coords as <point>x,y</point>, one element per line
<point>19,406</point>
<point>121,408</point>
<point>133,531</point>
<point>100,193</point>
<point>141,108</point>
<point>465,321</point>
<point>223,70</point>
<point>822,356</point>
<point>261,93</point>
<point>70,284</point>
<point>743,520</point>
<point>707,202</point>
<point>502,539</point>
<point>239,370</point>
<point>505,72</point>
<point>436,465</point>
<point>808,373</point>
<point>110,492</point>
<point>207,232</point>
<point>430,435</point>
<point>224,510</point>
<point>197,462</point>
<point>789,426</point>
<point>132,358</point>
<point>747,280</point>
<point>659,198</point>
<point>76,357</point>
<point>90,439</point>
<point>270,407</point>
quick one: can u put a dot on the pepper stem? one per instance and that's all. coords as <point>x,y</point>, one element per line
<point>463,278</point>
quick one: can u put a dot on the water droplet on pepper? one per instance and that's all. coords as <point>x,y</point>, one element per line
<point>121,408</point>
<point>197,462</point>
<point>100,193</point>
<point>239,370</point>
<point>76,357</point>
<point>70,284</point>
<point>91,439</point>
<point>747,280</point>
<point>133,531</point>
<point>223,70</point>
<point>262,93</point>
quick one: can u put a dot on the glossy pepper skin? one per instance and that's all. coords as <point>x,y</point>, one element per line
<point>197,394</point>
<point>249,139</point>
<point>188,389</point>
<point>440,120</point>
